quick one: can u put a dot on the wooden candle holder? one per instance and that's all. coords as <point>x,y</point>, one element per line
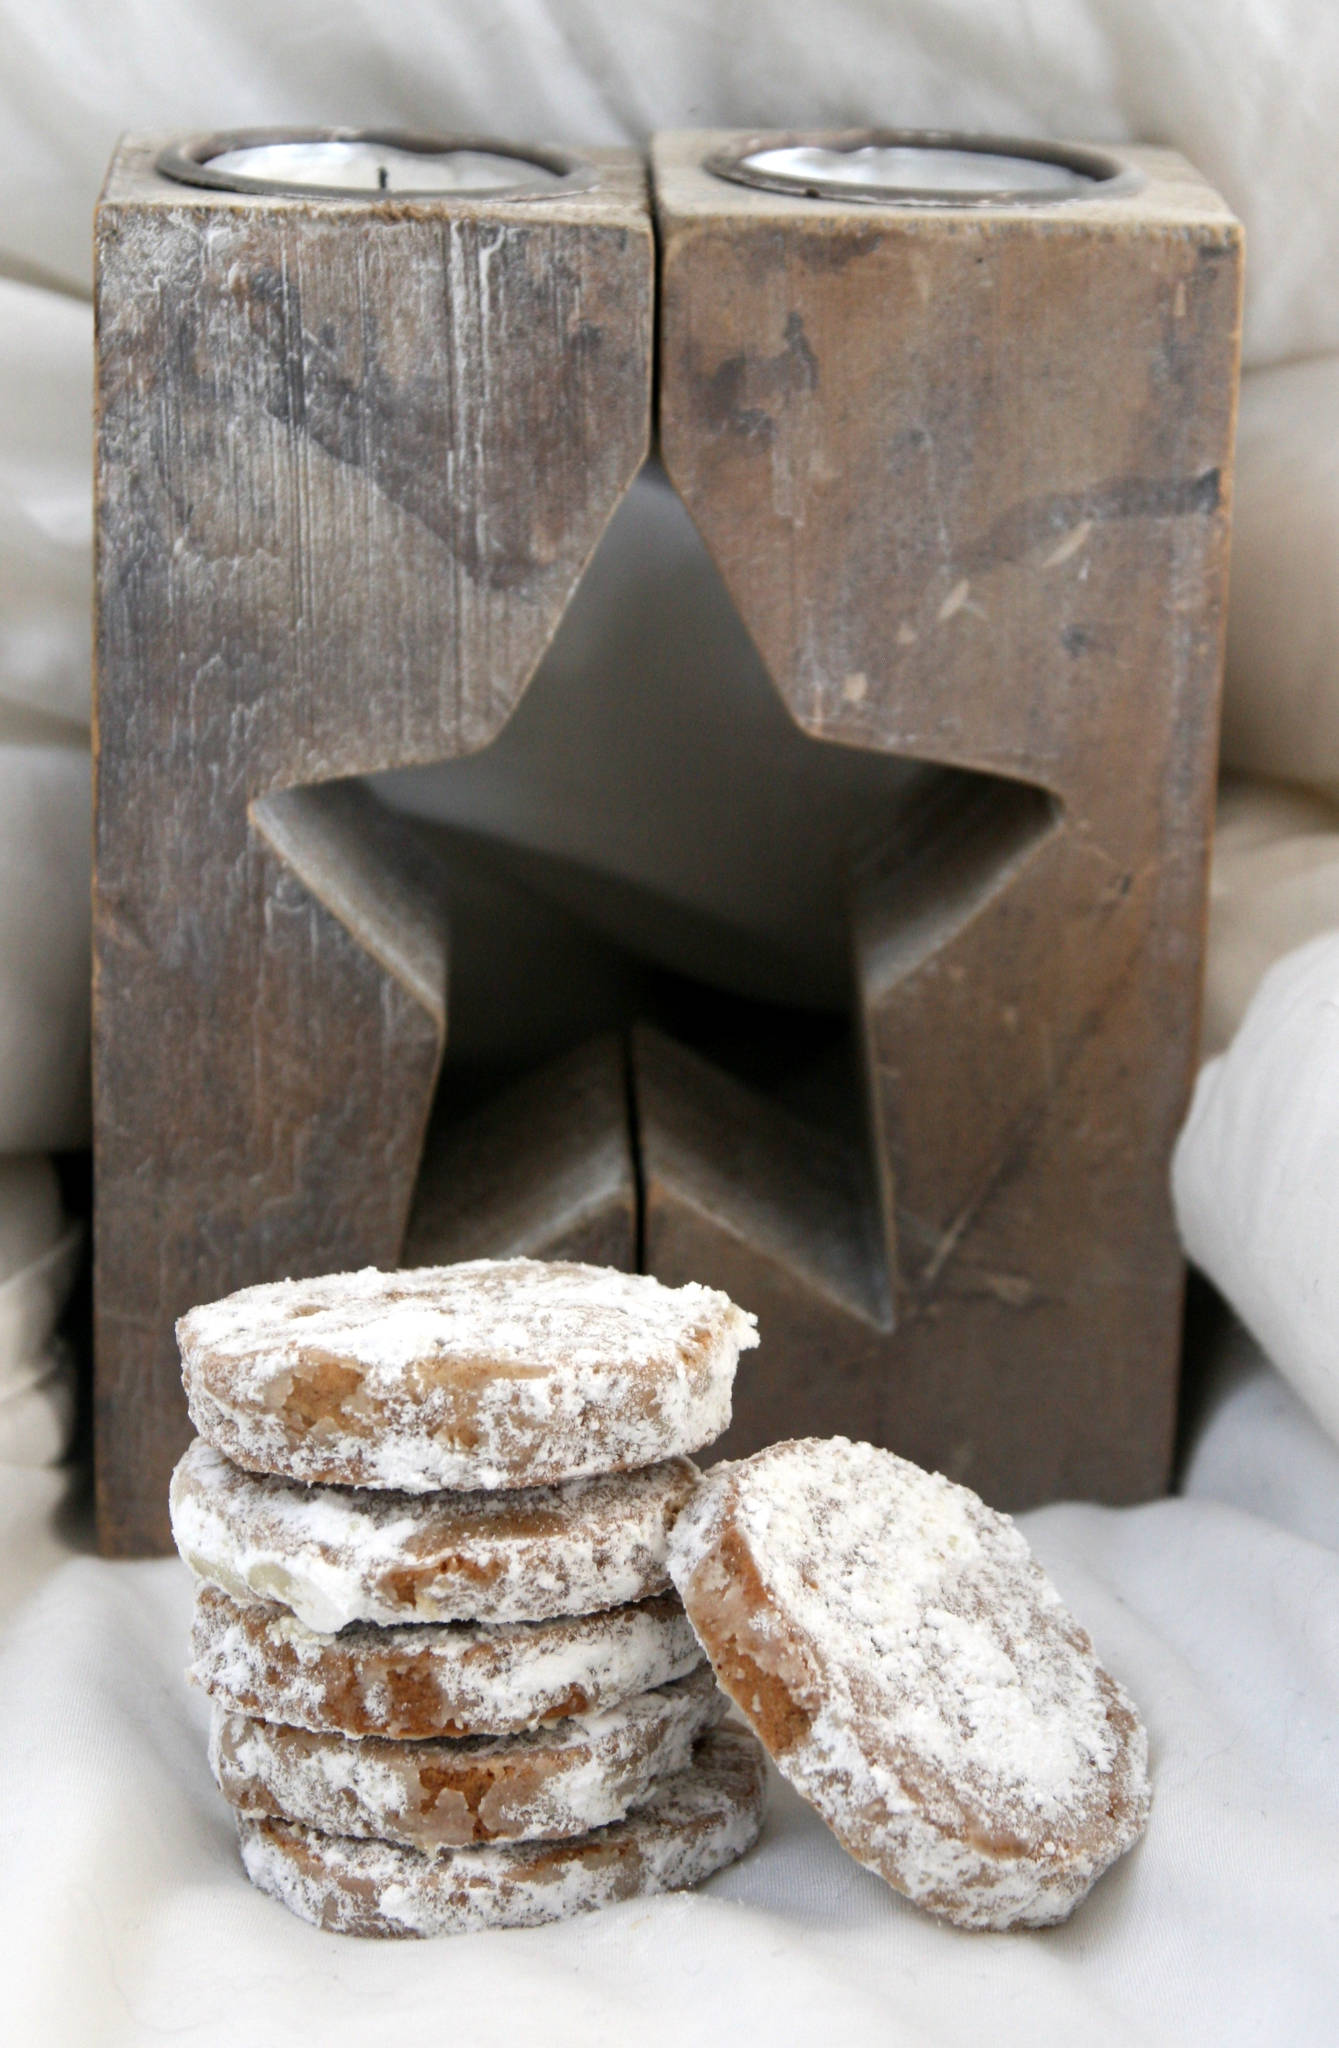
<point>353,455</point>
<point>965,470</point>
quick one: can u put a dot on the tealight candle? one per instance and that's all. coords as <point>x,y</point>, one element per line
<point>925,169</point>
<point>337,163</point>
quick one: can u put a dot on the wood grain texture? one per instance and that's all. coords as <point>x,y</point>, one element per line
<point>352,459</point>
<point>966,475</point>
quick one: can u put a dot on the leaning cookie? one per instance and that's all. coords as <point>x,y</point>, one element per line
<point>543,1785</point>
<point>336,1555</point>
<point>493,1374</point>
<point>422,1679</point>
<point>695,1823</point>
<point>916,1678</point>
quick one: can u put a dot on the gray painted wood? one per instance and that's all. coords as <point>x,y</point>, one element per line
<point>352,459</point>
<point>967,476</point>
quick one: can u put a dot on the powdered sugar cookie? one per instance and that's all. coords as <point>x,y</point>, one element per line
<point>581,1773</point>
<point>421,1678</point>
<point>335,1555</point>
<point>497,1373</point>
<point>694,1824</point>
<point>915,1676</point>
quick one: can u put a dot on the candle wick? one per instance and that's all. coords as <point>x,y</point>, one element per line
<point>383,178</point>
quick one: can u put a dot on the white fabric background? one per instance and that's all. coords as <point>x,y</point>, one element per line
<point>1255,1179</point>
<point>124,1916</point>
<point>45,524</point>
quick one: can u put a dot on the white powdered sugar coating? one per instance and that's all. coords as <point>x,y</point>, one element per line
<point>420,1678</point>
<point>579,1774</point>
<point>916,1676</point>
<point>335,1555</point>
<point>496,1373</point>
<point>695,1823</point>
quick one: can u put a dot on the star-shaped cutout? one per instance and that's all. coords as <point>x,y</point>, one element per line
<point>655,999</point>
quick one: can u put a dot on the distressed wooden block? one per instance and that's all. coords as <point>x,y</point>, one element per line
<point>352,457</point>
<point>966,472</point>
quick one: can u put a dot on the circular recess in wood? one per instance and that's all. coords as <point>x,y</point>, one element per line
<point>921,167</point>
<point>372,164</point>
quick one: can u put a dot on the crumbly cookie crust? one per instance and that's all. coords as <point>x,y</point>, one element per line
<point>543,1785</point>
<point>423,1678</point>
<point>492,1374</point>
<point>336,1555</point>
<point>695,1823</point>
<point>915,1676</point>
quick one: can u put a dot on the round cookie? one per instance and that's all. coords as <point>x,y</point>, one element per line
<point>497,1373</point>
<point>546,1784</point>
<point>336,1555</point>
<point>695,1823</point>
<point>421,1678</point>
<point>916,1678</point>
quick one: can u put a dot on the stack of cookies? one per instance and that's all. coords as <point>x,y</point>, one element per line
<point>428,1513</point>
